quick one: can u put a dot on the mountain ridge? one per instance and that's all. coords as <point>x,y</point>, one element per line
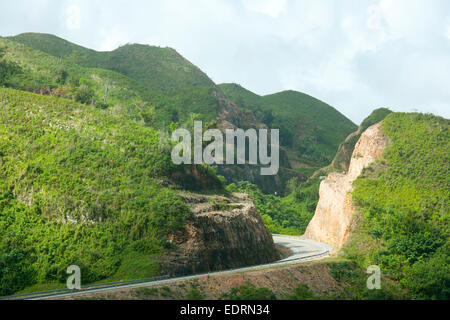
<point>172,102</point>
<point>310,129</point>
<point>170,68</point>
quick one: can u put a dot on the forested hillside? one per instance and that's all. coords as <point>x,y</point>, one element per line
<point>157,68</point>
<point>79,186</point>
<point>42,73</point>
<point>86,176</point>
<point>310,130</point>
<point>61,72</point>
<point>404,202</point>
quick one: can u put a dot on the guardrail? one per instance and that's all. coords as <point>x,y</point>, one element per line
<point>48,293</point>
<point>118,284</point>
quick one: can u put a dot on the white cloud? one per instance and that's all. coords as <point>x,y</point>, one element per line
<point>73,17</point>
<point>374,17</point>
<point>353,54</point>
<point>272,8</point>
<point>113,38</point>
<point>416,21</point>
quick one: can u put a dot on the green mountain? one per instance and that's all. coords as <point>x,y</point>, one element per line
<point>84,173</point>
<point>86,176</point>
<point>131,99</point>
<point>403,201</point>
<point>311,121</point>
<point>310,130</point>
<point>80,186</point>
<point>148,95</point>
<point>159,69</point>
<point>240,95</point>
<point>47,74</point>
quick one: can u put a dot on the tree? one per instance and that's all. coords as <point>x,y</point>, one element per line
<point>147,112</point>
<point>84,94</point>
<point>61,76</point>
<point>301,292</point>
<point>249,292</point>
<point>149,116</point>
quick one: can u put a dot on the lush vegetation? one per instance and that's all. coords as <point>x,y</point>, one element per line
<point>404,202</point>
<point>38,72</point>
<point>284,215</point>
<point>81,174</point>
<point>354,278</point>
<point>194,294</point>
<point>7,69</point>
<point>249,291</point>
<point>301,292</point>
<point>159,69</point>
<point>80,186</point>
<point>85,173</point>
<point>310,129</point>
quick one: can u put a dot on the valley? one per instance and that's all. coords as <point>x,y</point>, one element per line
<point>87,178</point>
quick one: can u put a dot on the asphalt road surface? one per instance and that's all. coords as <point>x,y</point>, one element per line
<point>302,250</point>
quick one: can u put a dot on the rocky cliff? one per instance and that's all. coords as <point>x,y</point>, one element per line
<point>232,117</point>
<point>343,157</point>
<point>224,233</point>
<point>335,209</point>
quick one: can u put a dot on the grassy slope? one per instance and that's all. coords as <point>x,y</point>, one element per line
<point>40,70</point>
<point>63,162</point>
<point>240,95</point>
<point>319,124</point>
<point>124,96</point>
<point>157,68</point>
<point>404,202</point>
<point>309,128</point>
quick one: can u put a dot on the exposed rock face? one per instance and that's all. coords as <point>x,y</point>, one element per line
<point>224,233</point>
<point>335,209</point>
<point>344,155</point>
<point>232,117</point>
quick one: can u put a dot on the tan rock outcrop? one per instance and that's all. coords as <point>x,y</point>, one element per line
<point>335,209</point>
<point>224,233</point>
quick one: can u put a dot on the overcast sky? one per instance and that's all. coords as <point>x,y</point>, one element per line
<point>356,55</point>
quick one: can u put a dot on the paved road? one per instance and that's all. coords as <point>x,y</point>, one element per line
<point>303,250</point>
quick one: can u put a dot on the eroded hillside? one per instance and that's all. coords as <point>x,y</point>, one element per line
<point>335,210</point>
<point>80,186</point>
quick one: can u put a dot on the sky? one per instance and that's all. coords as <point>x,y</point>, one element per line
<point>356,55</point>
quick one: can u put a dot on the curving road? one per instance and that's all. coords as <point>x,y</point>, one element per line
<point>302,250</point>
